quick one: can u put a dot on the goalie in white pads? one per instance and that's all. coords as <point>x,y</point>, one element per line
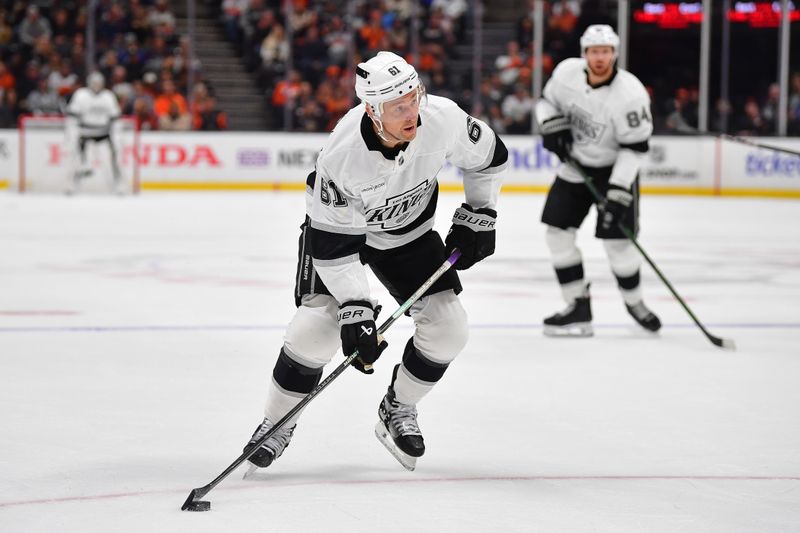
<point>91,115</point>
<point>371,200</point>
<point>595,115</point>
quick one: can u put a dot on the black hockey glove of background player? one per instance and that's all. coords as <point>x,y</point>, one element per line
<point>473,233</point>
<point>358,331</point>
<point>557,136</point>
<point>614,207</point>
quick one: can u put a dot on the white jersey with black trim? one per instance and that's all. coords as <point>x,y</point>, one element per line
<point>94,111</point>
<point>608,122</point>
<point>367,194</point>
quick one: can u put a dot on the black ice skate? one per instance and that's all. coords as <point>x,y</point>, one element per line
<point>271,449</point>
<point>574,321</point>
<point>398,431</point>
<point>644,316</point>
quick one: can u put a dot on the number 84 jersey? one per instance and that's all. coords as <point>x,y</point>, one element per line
<point>604,119</point>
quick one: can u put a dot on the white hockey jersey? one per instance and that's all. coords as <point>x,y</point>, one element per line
<point>367,194</point>
<point>610,123</point>
<point>94,111</point>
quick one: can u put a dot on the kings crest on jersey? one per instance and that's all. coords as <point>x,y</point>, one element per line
<point>603,118</point>
<point>365,193</point>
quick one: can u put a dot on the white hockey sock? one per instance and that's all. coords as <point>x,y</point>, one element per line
<point>280,402</point>
<point>408,389</point>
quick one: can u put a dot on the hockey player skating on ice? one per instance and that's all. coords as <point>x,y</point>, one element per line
<point>371,201</point>
<point>92,112</point>
<point>597,116</point>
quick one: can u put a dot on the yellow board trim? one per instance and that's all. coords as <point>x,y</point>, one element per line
<point>768,193</point>
<point>509,188</point>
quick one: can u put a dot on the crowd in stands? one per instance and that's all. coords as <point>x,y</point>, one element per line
<point>755,116</point>
<point>302,53</point>
<point>320,85</point>
<point>144,60</point>
<point>311,68</point>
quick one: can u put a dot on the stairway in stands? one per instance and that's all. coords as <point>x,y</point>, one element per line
<point>236,92</point>
<point>499,26</point>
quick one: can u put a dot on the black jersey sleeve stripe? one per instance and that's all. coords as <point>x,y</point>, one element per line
<point>500,156</point>
<point>311,179</point>
<point>326,245</point>
<point>641,147</point>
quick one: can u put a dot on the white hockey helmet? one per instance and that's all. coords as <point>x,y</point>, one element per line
<point>95,81</point>
<point>600,35</point>
<point>383,78</point>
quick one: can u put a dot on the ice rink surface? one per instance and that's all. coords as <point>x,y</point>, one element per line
<point>137,336</point>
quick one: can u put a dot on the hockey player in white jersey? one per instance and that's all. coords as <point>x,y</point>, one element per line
<point>595,115</point>
<point>371,201</point>
<point>91,115</point>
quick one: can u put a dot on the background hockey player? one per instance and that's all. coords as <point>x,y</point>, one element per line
<point>597,116</point>
<point>92,112</point>
<point>371,201</point>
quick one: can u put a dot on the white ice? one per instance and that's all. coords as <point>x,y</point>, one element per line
<point>137,336</point>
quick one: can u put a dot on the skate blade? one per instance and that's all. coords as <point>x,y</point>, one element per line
<point>579,329</point>
<point>408,462</point>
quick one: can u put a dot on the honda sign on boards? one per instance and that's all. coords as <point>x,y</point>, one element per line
<point>227,157</point>
<point>700,164</point>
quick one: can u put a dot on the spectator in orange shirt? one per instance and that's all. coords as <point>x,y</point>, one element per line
<point>286,90</point>
<point>207,117</point>
<point>564,16</point>
<point>7,80</point>
<point>168,97</point>
<point>372,33</point>
<point>336,107</point>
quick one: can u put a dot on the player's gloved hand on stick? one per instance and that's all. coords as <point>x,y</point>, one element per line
<point>557,136</point>
<point>473,233</point>
<point>613,208</point>
<point>359,332</point>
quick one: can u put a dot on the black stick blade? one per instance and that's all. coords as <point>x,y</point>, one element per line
<point>195,505</point>
<point>725,344</point>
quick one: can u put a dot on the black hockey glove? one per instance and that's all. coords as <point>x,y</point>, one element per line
<point>473,233</point>
<point>358,331</point>
<point>557,136</point>
<point>614,207</point>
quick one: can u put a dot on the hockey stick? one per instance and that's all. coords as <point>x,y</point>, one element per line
<point>193,502</point>
<point>741,140</point>
<point>716,341</point>
<point>748,142</point>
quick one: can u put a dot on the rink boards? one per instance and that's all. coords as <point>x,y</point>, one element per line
<point>273,161</point>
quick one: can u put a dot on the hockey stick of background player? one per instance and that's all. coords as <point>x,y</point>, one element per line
<point>193,502</point>
<point>748,142</point>
<point>716,341</point>
<point>741,140</point>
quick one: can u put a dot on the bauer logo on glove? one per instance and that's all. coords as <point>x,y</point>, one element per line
<point>358,332</point>
<point>473,233</point>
